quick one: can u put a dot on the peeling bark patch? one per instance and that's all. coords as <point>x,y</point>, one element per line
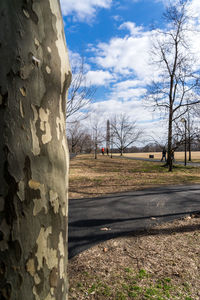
<point>61,248</point>
<point>64,209</point>
<point>43,250</point>
<point>60,121</point>
<point>30,267</point>
<point>61,245</point>
<point>35,140</point>
<point>23,91</point>
<point>37,279</point>
<point>49,49</point>
<point>52,291</point>
<point>49,297</point>
<point>35,293</point>
<point>61,267</point>
<point>21,188</point>
<point>60,42</point>
<point>48,70</point>
<point>54,200</point>
<point>36,61</point>
<point>37,43</point>
<point>34,185</point>
<point>65,149</point>
<point>26,13</point>
<point>53,278</point>
<point>45,125</point>
<point>21,109</point>
<point>40,203</point>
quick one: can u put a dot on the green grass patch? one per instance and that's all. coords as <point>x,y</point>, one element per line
<point>138,285</point>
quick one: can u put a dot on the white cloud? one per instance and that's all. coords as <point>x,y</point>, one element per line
<point>134,30</point>
<point>117,18</point>
<point>83,9</point>
<point>128,94</point>
<point>128,55</point>
<point>74,58</point>
<point>195,8</point>
<point>92,77</point>
<point>104,110</point>
<point>128,84</point>
<point>99,77</point>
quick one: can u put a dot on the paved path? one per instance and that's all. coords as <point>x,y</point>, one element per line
<point>193,164</point>
<point>127,212</point>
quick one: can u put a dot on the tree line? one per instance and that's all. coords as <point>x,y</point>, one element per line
<point>122,134</point>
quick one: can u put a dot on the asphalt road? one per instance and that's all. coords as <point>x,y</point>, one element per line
<point>94,220</point>
<point>188,163</point>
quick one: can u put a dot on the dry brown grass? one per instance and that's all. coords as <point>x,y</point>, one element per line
<point>162,263</point>
<point>90,177</point>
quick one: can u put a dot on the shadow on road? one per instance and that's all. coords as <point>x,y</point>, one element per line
<point>78,243</point>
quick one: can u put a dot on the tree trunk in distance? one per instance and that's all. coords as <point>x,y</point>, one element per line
<point>169,151</point>
<point>189,147</point>
<point>95,151</point>
<point>34,78</point>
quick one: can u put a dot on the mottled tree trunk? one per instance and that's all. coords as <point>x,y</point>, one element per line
<point>34,79</point>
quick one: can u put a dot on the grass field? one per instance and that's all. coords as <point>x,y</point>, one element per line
<point>179,156</point>
<point>158,264</point>
<point>91,177</point>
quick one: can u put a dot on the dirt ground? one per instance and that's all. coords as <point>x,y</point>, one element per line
<point>162,263</point>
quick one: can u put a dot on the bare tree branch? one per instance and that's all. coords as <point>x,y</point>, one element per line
<point>80,95</point>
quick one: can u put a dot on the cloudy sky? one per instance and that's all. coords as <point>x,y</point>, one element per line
<point>114,36</point>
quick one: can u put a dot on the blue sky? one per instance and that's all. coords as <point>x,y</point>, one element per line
<point>114,37</point>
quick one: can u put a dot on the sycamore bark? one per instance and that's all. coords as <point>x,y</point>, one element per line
<point>34,79</point>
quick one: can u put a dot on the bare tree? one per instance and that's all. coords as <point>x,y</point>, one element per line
<point>108,136</point>
<point>175,90</point>
<point>180,137</point>
<point>80,94</point>
<point>34,78</point>
<point>97,135</point>
<point>124,132</point>
<point>79,140</point>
